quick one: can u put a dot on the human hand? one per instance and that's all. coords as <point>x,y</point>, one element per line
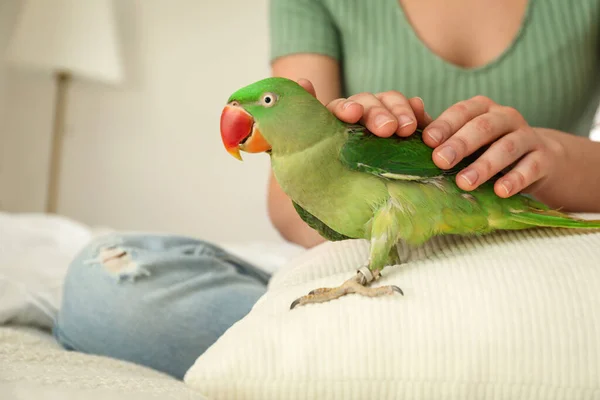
<point>468,125</point>
<point>383,113</point>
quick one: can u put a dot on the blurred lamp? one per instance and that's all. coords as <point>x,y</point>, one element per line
<point>67,38</point>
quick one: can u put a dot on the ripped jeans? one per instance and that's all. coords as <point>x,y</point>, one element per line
<point>154,300</point>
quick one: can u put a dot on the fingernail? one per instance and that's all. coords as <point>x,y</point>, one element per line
<point>435,135</point>
<point>470,176</point>
<point>347,104</point>
<point>404,120</point>
<point>507,186</point>
<point>382,120</point>
<point>447,154</point>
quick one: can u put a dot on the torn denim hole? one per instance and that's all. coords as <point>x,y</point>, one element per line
<point>118,262</point>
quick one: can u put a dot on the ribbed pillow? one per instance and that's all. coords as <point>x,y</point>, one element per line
<point>513,315</point>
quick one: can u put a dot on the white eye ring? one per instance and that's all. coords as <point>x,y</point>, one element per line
<point>268,99</point>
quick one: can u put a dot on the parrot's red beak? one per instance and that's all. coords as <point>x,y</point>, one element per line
<point>239,132</point>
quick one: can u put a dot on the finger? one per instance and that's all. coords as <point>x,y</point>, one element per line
<point>347,110</point>
<point>500,155</point>
<point>308,86</point>
<point>376,116</point>
<point>418,107</point>
<point>401,109</point>
<point>482,130</point>
<point>454,118</point>
<point>527,172</point>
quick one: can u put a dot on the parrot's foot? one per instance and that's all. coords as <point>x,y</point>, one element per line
<point>356,285</point>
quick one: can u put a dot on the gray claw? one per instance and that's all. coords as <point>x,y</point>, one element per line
<point>397,289</point>
<point>294,304</point>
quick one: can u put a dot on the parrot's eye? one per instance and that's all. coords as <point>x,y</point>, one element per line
<point>268,99</point>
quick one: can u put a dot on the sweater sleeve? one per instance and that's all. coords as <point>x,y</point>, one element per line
<point>302,26</point>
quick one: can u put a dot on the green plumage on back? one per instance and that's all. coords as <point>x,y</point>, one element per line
<point>346,182</point>
<point>394,157</point>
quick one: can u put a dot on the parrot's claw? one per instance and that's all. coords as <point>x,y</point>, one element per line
<point>295,303</point>
<point>352,285</point>
<point>397,289</point>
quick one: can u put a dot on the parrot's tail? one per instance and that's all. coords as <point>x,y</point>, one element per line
<point>553,219</point>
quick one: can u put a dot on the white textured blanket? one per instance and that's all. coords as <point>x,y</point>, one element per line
<point>33,367</point>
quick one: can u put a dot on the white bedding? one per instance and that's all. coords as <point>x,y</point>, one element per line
<point>35,250</point>
<point>33,366</point>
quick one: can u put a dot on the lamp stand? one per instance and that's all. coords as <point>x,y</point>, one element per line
<point>56,140</point>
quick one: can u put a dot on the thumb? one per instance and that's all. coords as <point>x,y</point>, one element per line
<point>308,86</point>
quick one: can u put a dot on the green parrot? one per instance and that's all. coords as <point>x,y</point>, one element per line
<point>347,183</point>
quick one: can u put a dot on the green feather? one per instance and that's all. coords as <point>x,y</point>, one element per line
<point>553,219</point>
<point>403,158</point>
<point>318,225</point>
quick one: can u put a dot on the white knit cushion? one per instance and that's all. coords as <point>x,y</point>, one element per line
<point>514,315</point>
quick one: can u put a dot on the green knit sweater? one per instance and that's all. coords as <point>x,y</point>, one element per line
<point>550,72</point>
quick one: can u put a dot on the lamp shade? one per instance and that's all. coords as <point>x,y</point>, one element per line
<point>73,36</point>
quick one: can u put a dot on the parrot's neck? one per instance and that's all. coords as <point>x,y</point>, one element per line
<point>307,147</point>
<point>318,160</point>
<point>303,129</point>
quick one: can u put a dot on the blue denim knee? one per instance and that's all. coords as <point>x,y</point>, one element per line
<point>155,300</point>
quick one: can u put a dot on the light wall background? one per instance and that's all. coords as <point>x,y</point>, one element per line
<point>146,156</point>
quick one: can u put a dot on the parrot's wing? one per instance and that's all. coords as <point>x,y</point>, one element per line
<point>394,157</point>
<point>319,225</point>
